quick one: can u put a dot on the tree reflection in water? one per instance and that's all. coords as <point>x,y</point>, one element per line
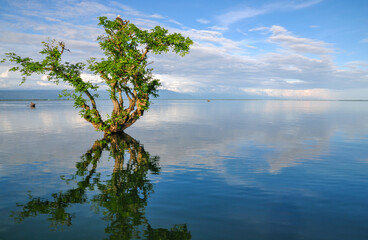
<point>123,197</point>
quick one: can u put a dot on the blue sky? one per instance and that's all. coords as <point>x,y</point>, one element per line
<point>280,48</point>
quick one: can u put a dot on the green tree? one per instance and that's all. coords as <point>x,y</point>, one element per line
<point>124,70</point>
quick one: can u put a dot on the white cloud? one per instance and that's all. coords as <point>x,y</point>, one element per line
<point>208,38</point>
<point>52,19</point>
<point>216,63</point>
<point>85,77</point>
<point>214,67</point>
<point>287,40</point>
<point>133,12</point>
<point>276,30</point>
<point>258,29</point>
<point>301,4</point>
<point>294,81</point>
<point>62,9</point>
<point>231,17</point>
<point>91,78</point>
<point>43,84</point>
<point>175,22</point>
<point>218,28</point>
<point>203,21</point>
<point>4,74</point>
<point>178,83</point>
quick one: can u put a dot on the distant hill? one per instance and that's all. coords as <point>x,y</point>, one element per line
<point>54,94</point>
<point>164,94</point>
<point>29,94</point>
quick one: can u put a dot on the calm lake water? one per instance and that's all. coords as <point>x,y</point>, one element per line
<point>187,170</point>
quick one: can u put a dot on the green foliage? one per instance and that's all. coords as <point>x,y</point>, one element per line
<point>124,70</point>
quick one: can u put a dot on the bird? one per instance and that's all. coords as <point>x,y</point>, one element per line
<point>62,45</point>
<point>118,18</point>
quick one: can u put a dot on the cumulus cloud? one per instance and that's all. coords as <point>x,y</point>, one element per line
<point>216,63</point>
<point>284,38</point>
<point>302,45</point>
<point>209,38</point>
<point>91,78</point>
<point>178,83</point>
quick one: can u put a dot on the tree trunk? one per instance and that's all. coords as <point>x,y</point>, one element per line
<point>134,112</point>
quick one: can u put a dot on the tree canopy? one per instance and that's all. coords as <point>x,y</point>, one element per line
<point>124,70</point>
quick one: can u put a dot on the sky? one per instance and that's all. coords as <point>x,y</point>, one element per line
<point>294,49</point>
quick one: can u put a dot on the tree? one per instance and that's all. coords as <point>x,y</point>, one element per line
<point>124,70</point>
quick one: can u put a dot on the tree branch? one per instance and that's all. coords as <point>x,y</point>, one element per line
<point>121,98</point>
<point>144,54</point>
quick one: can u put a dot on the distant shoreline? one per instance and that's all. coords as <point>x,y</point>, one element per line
<point>53,95</point>
<point>172,99</point>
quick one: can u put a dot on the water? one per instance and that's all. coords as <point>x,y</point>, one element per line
<point>187,170</point>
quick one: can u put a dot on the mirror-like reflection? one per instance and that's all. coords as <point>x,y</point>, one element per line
<point>121,197</point>
<point>227,169</point>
